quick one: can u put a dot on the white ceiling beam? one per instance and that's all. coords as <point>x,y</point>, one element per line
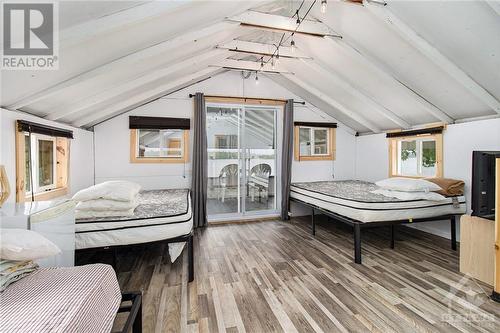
<point>321,67</point>
<point>262,49</point>
<point>282,23</point>
<point>384,71</point>
<point>314,104</point>
<point>495,5</point>
<point>333,103</point>
<point>249,66</point>
<point>144,97</point>
<point>433,54</point>
<point>119,20</point>
<point>129,86</point>
<point>128,60</point>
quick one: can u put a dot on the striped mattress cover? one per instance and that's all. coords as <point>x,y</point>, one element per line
<point>70,299</point>
<point>161,214</point>
<point>353,199</point>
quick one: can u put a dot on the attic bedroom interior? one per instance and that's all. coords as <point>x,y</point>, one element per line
<point>250,166</point>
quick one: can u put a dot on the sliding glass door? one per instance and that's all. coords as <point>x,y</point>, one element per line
<point>242,160</point>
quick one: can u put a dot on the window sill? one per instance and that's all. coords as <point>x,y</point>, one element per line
<point>48,195</point>
<point>315,158</point>
<point>415,177</point>
<point>147,160</point>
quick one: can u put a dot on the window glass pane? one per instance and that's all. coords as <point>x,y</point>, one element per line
<point>429,158</point>
<point>408,158</point>
<point>321,141</point>
<point>160,143</point>
<point>171,143</point>
<point>223,141</point>
<point>27,157</point>
<point>305,141</point>
<point>149,143</point>
<point>45,162</point>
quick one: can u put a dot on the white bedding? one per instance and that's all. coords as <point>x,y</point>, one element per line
<point>89,214</point>
<point>401,195</point>
<point>98,205</point>
<point>119,190</point>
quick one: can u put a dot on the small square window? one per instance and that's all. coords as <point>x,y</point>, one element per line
<point>158,146</point>
<point>314,143</point>
<point>41,162</point>
<point>416,156</point>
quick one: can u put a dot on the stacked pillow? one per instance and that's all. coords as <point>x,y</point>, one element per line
<point>109,199</point>
<point>18,250</point>
<point>409,189</point>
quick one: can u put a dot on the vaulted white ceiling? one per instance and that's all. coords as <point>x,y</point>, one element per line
<point>373,67</point>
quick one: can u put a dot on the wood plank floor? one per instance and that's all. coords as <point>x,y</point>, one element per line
<point>275,277</point>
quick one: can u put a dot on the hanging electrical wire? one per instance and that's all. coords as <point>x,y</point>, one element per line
<point>274,58</point>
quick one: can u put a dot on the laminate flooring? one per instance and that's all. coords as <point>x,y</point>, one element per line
<point>274,276</point>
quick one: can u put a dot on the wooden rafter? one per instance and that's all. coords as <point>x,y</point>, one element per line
<point>321,67</point>
<point>128,60</point>
<point>333,103</point>
<point>144,97</point>
<point>413,38</point>
<point>383,70</point>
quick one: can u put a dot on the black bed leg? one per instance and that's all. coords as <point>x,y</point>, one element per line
<point>393,235</point>
<point>137,326</point>
<point>453,233</point>
<point>190,259</point>
<point>313,223</point>
<point>357,244</point>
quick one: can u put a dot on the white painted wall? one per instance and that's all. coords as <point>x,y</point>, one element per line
<point>81,151</point>
<point>459,140</point>
<point>112,137</point>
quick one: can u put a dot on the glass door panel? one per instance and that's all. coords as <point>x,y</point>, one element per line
<point>223,142</point>
<point>260,159</point>
<point>241,160</point>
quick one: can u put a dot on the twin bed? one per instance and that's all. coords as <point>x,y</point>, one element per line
<point>162,216</point>
<point>352,202</point>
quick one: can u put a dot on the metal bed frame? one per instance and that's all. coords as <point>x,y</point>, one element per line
<point>184,238</point>
<point>134,319</point>
<point>358,226</point>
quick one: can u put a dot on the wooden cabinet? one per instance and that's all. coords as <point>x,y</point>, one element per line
<point>477,248</point>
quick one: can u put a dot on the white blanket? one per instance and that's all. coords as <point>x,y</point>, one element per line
<point>119,190</point>
<point>89,214</point>
<point>402,195</point>
<point>99,205</point>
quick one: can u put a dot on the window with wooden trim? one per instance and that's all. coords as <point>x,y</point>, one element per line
<point>314,143</point>
<point>417,156</point>
<point>159,145</point>
<point>42,166</point>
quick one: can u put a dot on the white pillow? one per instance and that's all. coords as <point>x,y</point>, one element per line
<point>407,185</point>
<point>431,196</point>
<point>119,190</point>
<point>21,244</point>
<point>105,205</point>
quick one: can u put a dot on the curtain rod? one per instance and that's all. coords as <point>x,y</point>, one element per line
<point>254,98</point>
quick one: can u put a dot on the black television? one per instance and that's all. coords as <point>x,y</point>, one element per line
<point>483,183</point>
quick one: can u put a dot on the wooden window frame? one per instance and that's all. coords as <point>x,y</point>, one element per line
<point>331,145</point>
<point>135,159</point>
<point>62,170</point>
<point>393,154</point>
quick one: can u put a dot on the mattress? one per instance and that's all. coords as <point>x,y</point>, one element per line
<point>70,299</point>
<point>161,214</point>
<point>353,199</point>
